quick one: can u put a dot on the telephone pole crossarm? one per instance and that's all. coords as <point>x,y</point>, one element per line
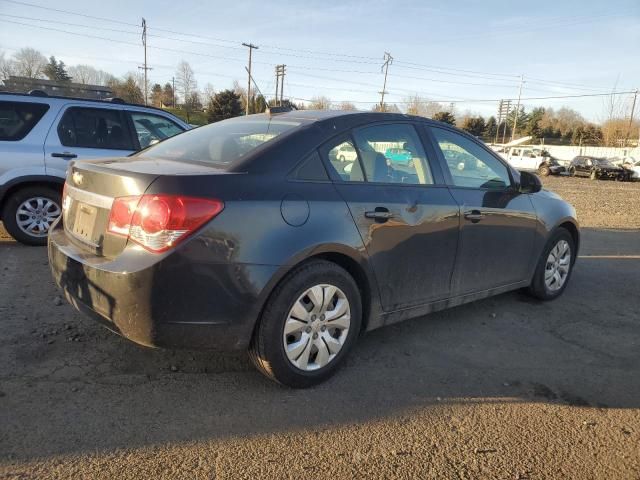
<point>388,60</point>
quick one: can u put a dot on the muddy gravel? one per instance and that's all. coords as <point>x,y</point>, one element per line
<point>504,388</point>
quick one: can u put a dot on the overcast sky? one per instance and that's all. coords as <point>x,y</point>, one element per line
<point>449,50</point>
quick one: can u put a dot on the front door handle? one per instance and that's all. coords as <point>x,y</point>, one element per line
<point>380,214</point>
<point>474,216</point>
<point>64,155</point>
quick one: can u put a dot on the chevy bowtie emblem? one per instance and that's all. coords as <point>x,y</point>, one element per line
<point>77,178</point>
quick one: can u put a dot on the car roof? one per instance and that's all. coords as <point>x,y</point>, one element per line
<point>348,116</point>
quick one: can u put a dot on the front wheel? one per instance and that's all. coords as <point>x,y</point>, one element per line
<point>572,172</point>
<point>594,175</point>
<point>554,266</point>
<point>28,214</point>
<point>308,326</point>
<point>544,170</point>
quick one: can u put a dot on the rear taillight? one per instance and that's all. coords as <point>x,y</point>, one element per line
<point>159,222</point>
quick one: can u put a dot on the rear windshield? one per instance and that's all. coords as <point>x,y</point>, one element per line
<point>17,119</point>
<point>221,143</point>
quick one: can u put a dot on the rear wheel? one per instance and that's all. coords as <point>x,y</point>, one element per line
<point>554,266</point>
<point>29,212</point>
<point>308,326</point>
<point>594,175</point>
<point>572,172</point>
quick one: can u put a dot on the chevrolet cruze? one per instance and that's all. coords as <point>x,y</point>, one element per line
<point>252,234</point>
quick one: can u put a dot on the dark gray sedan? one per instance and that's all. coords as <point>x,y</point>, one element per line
<point>252,233</point>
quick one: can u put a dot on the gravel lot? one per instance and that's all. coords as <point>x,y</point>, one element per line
<point>501,388</point>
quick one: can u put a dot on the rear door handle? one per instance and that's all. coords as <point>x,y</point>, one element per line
<point>380,214</point>
<point>474,216</point>
<point>64,155</point>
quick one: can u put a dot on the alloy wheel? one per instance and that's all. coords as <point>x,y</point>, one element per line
<point>557,266</point>
<point>316,327</point>
<point>35,215</point>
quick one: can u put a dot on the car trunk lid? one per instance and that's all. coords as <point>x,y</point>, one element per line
<point>92,186</point>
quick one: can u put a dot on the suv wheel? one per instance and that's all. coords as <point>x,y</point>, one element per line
<point>594,175</point>
<point>554,266</point>
<point>28,214</point>
<point>572,171</point>
<point>308,326</point>
<point>544,170</point>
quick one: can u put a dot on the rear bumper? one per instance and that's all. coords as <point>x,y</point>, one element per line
<point>175,300</point>
<point>557,169</point>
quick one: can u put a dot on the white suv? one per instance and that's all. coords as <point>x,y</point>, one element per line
<point>40,134</point>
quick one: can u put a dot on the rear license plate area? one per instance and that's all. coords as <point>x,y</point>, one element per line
<point>84,224</point>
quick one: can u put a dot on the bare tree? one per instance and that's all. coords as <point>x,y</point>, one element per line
<point>185,80</point>
<point>29,63</point>
<point>208,92</point>
<point>88,75</point>
<point>320,103</point>
<point>7,67</point>
<point>347,106</point>
<point>416,105</point>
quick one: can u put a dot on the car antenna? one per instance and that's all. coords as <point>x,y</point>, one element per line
<point>269,110</point>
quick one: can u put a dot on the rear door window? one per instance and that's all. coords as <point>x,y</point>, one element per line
<point>17,119</point>
<point>153,128</point>
<point>86,127</point>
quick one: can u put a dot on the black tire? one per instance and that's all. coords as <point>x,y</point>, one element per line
<point>538,288</point>
<point>572,172</point>
<point>544,170</point>
<point>594,175</point>
<point>18,198</point>
<point>267,351</point>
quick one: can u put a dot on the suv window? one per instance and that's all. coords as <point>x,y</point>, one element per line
<point>393,153</point>
<point>470,164</point>
<point>86,127</point>
<point>17,119</point>
<point>150,128</point>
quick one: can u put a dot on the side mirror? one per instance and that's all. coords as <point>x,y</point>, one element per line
<point>529,183</point>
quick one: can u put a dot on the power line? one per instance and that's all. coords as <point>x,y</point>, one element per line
<point>93,17</point>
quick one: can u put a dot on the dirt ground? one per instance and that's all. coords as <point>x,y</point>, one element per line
<point>502,388</point>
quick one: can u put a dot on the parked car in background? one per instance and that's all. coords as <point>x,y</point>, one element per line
<point>631,164</point>
<point>595,168</point>
<point>40,134</point>
<point>346,153</point>
<point>535,160</point>
<point>398,155</point>
<point>250,233</point>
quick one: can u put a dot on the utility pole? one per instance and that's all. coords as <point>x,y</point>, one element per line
<point>515,118</point>
<point>280,72</point>
<point>503,113</point>
<point>145,67</point>
<point>251,46</point>
<point>173,91</point>
<point>388,59</point>
<point>633,108</point>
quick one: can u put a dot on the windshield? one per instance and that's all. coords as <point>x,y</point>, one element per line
<point>602,161</point>
<point>221,143</point>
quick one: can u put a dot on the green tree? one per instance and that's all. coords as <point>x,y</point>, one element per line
<point>490,128</point>
<point>55,70</point>
<point>167,95</point>
<point>128,90</point>
<point>223,105</point>
<point>474,125</point>
<point>156,95</point>
<point>445,117</point>
<point>534,123</point>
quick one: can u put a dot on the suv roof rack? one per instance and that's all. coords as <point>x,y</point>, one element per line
<point>118,100</point>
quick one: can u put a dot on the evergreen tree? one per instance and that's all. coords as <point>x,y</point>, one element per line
<point>223,105</point>
<point>445,117</point>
